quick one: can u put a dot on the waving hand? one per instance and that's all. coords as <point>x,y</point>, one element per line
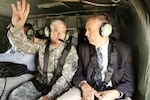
<point>20,13</point>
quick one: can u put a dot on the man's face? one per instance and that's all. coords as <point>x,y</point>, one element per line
<point>58,31</point>
<point>92,30</point>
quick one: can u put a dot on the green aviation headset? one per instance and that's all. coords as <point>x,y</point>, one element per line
<point>105,29</point>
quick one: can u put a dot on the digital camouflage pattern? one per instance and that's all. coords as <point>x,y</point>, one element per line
<point>20,41</point>
<point>26,91</point>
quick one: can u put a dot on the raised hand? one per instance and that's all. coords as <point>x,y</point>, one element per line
<point>20,13</point>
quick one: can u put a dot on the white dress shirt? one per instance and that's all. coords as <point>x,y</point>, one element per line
<point>104,51</point>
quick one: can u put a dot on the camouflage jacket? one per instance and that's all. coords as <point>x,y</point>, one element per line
<point>19,40</point>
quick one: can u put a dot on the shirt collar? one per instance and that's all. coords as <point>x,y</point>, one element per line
<point>104,47</point>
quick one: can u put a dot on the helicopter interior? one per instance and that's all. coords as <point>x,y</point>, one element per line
<point>130,20</point>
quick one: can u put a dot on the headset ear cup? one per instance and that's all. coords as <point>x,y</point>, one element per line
<point>67,36</point>
<point>47,31</point>
<point>30,33</point>
<point>106,29</point>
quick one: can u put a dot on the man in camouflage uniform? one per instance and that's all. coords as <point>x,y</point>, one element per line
<point>28,91</point>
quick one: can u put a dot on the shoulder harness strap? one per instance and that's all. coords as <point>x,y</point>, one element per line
<point>112,61</point>
<point>58,70</point>
<point>46,59</point>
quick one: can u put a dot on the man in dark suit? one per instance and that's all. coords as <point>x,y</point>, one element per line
<point>108,77</point>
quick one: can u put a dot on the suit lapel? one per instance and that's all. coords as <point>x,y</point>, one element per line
<point>91,68</point>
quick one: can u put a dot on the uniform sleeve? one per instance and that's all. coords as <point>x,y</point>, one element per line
<point>69,69</point>
<point>18,39</point>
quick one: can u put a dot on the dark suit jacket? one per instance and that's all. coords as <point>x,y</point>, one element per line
<point>122,78</point>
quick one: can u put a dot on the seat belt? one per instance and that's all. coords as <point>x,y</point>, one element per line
<point>57,71</point>
<point>112,61</point>
<point>46,60</point>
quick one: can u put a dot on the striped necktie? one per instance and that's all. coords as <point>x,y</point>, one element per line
<point>100,57</point>
<point>97,77</point>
